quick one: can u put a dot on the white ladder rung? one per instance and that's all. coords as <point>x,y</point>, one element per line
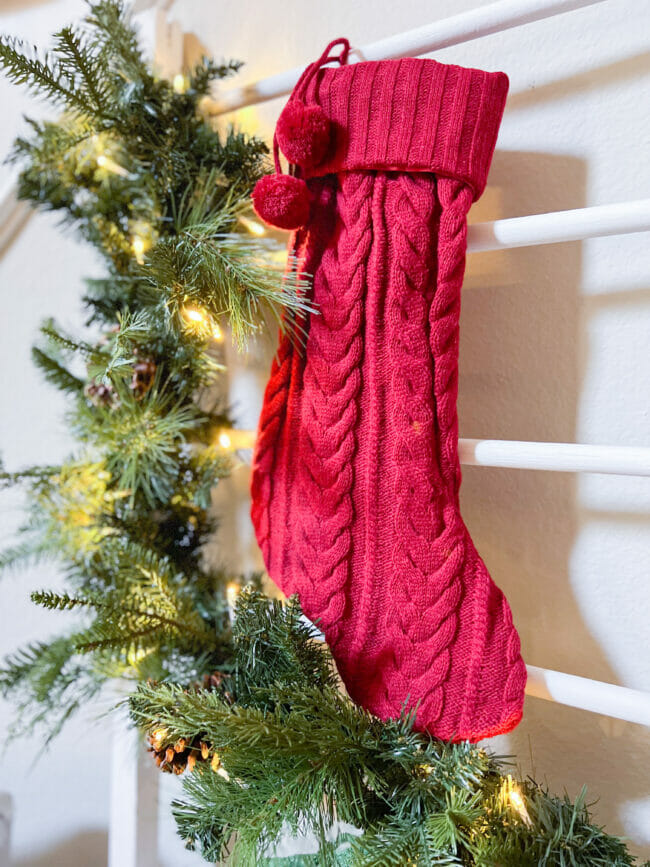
<point>608,699</point>
<point>619,218</point>
<point>556,457</point>
<point>518,455</point>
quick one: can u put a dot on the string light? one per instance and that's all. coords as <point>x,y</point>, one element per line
<point>233,440</point>
<point>179,83</point>
<point>199,321</point>
<point>202,323</point>
<point>253,226</point>
<point>102,158</point>
<point>139,245</point>
<point>232,592</point>
<point>143,237</point>
<point>278,257</point>
<point>110,165</point>
<point>193,314</point>
<point>515,799</point>
<point>135,656</point>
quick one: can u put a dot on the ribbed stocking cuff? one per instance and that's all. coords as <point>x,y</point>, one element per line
<point>410,115</point>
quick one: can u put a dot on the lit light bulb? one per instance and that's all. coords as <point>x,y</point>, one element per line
<point>179,83</point>
<point>194,315</point>
<point>110,165</point>
<point>516,800</point>
<point>233,439</point>
<point>232,592</point>
<point>253,226</point>
<point>138,246</point>
<point>135,656</point>
<point>217,333</point>
<point>197,321</point>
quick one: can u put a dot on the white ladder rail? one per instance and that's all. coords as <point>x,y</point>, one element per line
<point>14,215</point>
<point>455,30</point>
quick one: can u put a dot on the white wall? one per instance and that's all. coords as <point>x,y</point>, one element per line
<point>60,796</point>
<point>554,347</point>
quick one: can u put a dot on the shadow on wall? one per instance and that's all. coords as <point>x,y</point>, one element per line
<point>89,847</point>
<point>521,369</point>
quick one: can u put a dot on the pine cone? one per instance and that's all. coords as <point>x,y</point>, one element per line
<point>144,373</point>
<point>215,681</point>
<point>175,757</point>
<point>100,394</point>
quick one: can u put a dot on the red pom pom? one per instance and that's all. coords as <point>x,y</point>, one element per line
<point>282,201</point>
<point>303,133</point>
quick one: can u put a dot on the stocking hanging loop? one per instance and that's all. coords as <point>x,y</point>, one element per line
<point>303,133</point>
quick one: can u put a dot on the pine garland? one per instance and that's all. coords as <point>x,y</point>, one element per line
<point>135,169</point>
<point>294,753</point>
<point>253,704</point>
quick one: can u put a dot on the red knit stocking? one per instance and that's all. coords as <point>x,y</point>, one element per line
<point>356,473</point>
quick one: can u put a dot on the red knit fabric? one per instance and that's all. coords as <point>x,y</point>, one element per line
<point>356,473</point>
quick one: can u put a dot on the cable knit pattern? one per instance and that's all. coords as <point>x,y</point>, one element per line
<point>427,556</point>
<point>275,403</point>
<point>271,477</point>
<point>356,477</point>
<point>332,381</point>
<point>455,199</point>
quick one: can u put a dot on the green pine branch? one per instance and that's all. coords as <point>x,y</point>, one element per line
<point>57,338</point>
<point>225,272</point>
<point>84,66</point>
<point>23,554</point>
<point>295,753</point>
<point>113,35</point>
<point>208,71</point>
<point>134,618</point>
<point>28,474</point>
<point>142,439</point>
<point>44,77</point>
<point>55,373</point>
<point>47,684</point>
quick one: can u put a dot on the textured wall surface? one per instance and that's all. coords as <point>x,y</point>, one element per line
<point>553,347</point>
